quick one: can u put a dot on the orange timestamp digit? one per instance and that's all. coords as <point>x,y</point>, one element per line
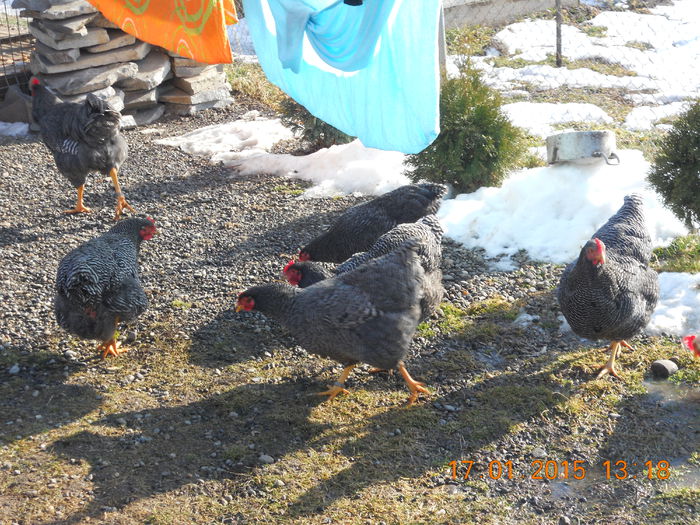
<point>495,469</point>
<point>619,469</point>
<point>550,469</point>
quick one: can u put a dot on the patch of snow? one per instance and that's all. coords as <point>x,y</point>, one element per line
<point>678,311</point>
<point>643,117</point>
<point>339,170</point>
<point>538,118</point>
<point>251,135</point>
<point>552,211</point>
<point>14,129</point>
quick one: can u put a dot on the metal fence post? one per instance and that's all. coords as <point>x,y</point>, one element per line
<point>557,4</point>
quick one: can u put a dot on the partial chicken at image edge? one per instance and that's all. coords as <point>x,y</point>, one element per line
<point>348,318</point>
<point>82,137</point>
<point>98,286</point>
<point>610,291</point>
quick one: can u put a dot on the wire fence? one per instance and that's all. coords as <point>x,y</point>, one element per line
<point>16,45</point>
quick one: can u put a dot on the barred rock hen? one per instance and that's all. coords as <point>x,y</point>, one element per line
<point>610,292</point>
<point>693,344</point>
<point>367,315</point>
<point>83,138</point>
<point>359,227</point>
<point>427,231</point>
<point>98,285</point>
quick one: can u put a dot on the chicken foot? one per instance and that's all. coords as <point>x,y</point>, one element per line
<point>609,367</point>
<point>380,371</point>
<point>121,200</point>
<point>79,207</point>
<point>414,386</point>
<point>339,386</point>
<point>110,347</point>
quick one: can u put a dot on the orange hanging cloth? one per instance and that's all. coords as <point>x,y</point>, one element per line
<point>193,29</point>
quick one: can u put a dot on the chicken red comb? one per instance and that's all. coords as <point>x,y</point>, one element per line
<point>689,341</point>
<point>289,264</point>
<point>35,81</point>
<point>152,221</point>
<point>599,244</point>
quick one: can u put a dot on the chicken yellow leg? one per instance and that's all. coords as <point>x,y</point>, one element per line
<point>110,347</point>
<point>121,200</point>
<point>415,387</point>
<point>79,208</point>
<point>339,386</point>
<point>609,367</point>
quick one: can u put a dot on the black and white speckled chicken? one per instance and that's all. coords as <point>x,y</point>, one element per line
<point>359,227</point>
<point>366,315</point>
<point>427,232</point>
<point>98,286</point>
<point>83,137</point>
<point>610,291</point>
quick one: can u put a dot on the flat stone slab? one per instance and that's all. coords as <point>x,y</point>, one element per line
<point>92,79</point>
<point>59,35</point>
<point>188,62</point>
<point>140,99</point>
<point>186,109</point>
<point>142,117</point>
<point>101,21</point>
<point>187,71</point>
<point>68,26</point>
<point>93,37</point>
<point>105,93</point>
<point>57,57</point>
<point>152,71</point>
<point>123,54</point>
<point>114,97</point>
<point>59,11</point>
<point>204,82</point>
<point>174,95</point>
<point>117,39</point>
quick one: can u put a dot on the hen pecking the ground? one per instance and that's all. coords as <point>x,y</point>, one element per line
<point>610,291</point>
<point>366,315</point>
<point>427,232</point>
<point>358,228</point>
<point>83,137</point>
<point>98,285</point>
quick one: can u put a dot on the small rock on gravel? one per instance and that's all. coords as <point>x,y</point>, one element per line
<point>265,459</point>
<point>14,369</point>
<point>663,368</point>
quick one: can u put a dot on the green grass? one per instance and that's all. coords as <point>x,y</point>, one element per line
<point>642,46</point>
<point>598,65</point>
<point>682,255</point>
<point>249,79</point>
<point>595,31</point>
<point>182,305</point>
<point>288,190</point>
<point>469,40</point>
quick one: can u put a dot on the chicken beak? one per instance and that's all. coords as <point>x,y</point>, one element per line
<point>239,308</point>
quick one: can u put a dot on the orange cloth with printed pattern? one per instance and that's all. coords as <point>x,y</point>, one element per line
<point>193,29</point>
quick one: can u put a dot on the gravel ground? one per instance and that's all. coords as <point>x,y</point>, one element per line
<point>220,234</point>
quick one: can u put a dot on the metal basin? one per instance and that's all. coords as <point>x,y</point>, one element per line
<point>582,146</point>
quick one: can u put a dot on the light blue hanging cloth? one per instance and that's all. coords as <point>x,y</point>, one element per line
<point>371,71</point>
